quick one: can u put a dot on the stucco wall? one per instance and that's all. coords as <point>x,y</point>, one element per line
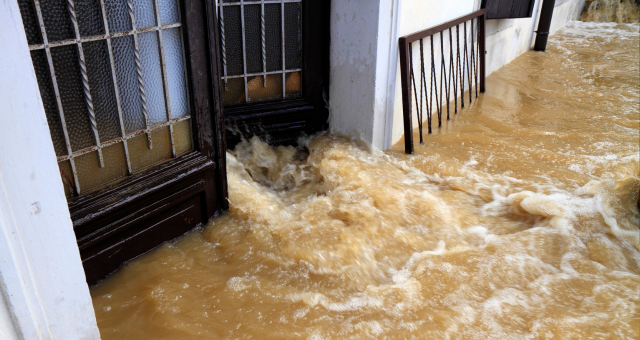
<point>506,39</point>
<point>362,54</point>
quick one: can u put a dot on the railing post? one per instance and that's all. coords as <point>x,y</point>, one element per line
<point>482,49</point>
<point>406,94</point>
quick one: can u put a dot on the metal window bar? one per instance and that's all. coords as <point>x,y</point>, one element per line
<point>116,89</point>
<point>136,54</point>
<point>223,43</point>
<point>67,140</point>
<point>224,47</point>
<point>108,36</point>
<point>470,62</point>
<point>163,66</point>
<point>85,81</point>
<point>244,53</point>
<point>284,88</point>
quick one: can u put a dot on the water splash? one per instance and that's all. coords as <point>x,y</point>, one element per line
<point>619,11</point>
<point>516,220</point>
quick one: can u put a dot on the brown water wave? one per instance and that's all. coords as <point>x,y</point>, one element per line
<point>619,11</point>
<point>516,220</point>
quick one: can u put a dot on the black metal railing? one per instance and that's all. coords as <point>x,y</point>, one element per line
<point>464,66</point>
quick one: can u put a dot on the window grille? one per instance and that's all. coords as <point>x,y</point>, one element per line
<point>113,82</point>
<point>261,50</point>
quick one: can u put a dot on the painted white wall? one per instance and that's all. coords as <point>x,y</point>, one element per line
<point>7,326</point>
<point>363,47</point>
<point>40,265</point>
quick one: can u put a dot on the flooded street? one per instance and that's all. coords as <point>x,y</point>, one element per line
<point>518,219</point>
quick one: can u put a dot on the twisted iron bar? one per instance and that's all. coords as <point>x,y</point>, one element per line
<point>224,48</point>
<point>136,55</point>
<point>264,46</point>
<point>85,81</point>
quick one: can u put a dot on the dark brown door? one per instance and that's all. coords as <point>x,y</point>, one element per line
<point>135,118</point>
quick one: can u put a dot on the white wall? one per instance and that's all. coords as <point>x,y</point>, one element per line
<point>363,47</point>
<point>365,91</point>
<point>7,326</point>
<point>40,265</point>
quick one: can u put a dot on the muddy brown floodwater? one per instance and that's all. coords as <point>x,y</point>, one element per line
<point>518,219</point>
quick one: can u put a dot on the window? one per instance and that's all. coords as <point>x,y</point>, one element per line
<point>505,9</point>
<point>113,83</point>
<point>262,59</point>
<point>134,117</point>
<point>274,77</point>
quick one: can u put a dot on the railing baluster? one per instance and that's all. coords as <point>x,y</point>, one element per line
<point>452,75</point>
<point>413,82</point>
<point>434,83</point>
<point>443,69</point>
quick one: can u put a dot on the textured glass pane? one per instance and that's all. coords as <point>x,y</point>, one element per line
<point>273,36</point>
<point>230,0</point>
<point>118,15</point>
<point>57,20</point>
<point>145,13</point>
<point>30,21</point>
<point>233,39</point>
<point>48,96</point>
<point>140,155</point>
<point>234,91</point>
<point>91,175</point>
<point>102,91</point>
<point>67,178</point>
<point>258,92</point>
<point>123,53</point>
<point>168,11</point>
<point>175,72</point>
<point>253,38</point>
<point>293,84</point>
<point>182,137</point>
<point>89,17</point>
<point>76,115</point>
<point>293,35</point>
<point>152,77</point>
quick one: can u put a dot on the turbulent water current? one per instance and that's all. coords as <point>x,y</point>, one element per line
<point>517,219</point>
